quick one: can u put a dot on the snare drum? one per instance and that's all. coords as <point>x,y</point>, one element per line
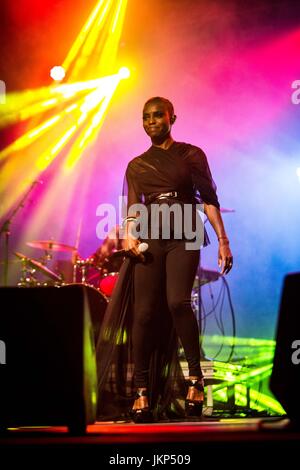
<point>107,283</point>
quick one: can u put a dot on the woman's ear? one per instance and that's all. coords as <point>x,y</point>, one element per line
<point>173,119</point>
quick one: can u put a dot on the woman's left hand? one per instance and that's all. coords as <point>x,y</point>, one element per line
<point>225,259</point>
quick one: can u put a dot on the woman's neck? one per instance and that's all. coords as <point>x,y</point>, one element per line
<point>165,144</point>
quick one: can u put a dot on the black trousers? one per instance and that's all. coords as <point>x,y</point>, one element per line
<point>171,267</point>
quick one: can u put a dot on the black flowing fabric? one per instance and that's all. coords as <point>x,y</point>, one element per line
<point>115,363</point>
<point>182,168</point>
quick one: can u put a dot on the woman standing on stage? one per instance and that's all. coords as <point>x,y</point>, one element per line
<point>168,172</point>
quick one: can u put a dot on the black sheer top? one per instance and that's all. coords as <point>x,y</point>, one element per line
<point>182,167</point>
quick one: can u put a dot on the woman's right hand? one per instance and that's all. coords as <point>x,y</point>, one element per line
<point>131,244</point>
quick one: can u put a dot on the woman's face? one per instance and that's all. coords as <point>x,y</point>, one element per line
<point>156,120</point>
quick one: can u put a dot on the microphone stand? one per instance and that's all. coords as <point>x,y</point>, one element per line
<point>5,230</point>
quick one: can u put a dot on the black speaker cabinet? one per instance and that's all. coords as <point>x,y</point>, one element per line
<point>285,378</point>
<point>47,361</point>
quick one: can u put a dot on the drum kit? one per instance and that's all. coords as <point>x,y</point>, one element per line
<point>100,272</point>
<point>89,271</point>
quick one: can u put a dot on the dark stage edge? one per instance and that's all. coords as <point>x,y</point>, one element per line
<point>220,441</point>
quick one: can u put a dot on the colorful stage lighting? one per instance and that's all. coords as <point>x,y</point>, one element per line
<point>57,73</point>
<point>124,72</point>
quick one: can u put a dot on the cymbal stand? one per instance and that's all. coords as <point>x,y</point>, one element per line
<point>27,278</point>
<point>82,265</point>
<point>5,230</point>
<point>47,257</point>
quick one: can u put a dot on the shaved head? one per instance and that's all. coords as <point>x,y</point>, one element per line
<point>165,101</point>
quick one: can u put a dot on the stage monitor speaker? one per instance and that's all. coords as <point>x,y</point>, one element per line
<point>285,378</point>
<point>47,364</point>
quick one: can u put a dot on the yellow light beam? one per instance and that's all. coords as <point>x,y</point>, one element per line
<point>110,49</point>
<point>93,40</point>
<point>29,137</point>
<point>93,97</point>
<point>74,51</point>
<point>91,132</point>
<point>69,89</point>
<point>227,340</point>
<point>266,401</point>
<point>46,157</point>
<point>108,16</point>
<point>119,15</point>
<point>24,105</point>
<point>89,103</point>
<point>88,136</point>
<point>253,376</point>
<point>21,112</point>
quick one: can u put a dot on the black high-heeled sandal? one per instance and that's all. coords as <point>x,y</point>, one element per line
<point>141,415</point>
<point>193,408</point>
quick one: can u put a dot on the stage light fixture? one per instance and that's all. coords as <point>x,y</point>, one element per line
<point>124,72</point>
<point>57,73</point>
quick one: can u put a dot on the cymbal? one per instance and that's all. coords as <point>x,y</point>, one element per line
<point>49,245</point>
<point>204,276</point>
<point>39,266</point>
<point>223,209</point>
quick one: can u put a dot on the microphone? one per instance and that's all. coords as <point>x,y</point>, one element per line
<point>142,247</point>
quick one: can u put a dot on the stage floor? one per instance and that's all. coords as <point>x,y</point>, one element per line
<point>112,443</point>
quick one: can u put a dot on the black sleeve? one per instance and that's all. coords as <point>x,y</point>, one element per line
<point>131,193</point>
<point>201,176</point>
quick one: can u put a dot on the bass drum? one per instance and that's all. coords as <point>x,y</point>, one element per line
<point>107,283</point>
